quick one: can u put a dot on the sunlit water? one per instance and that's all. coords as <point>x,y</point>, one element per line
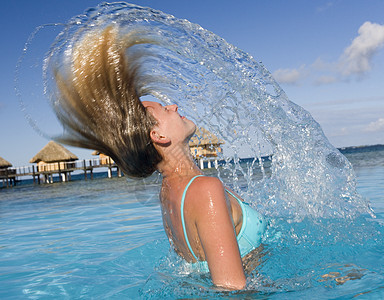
<point>104,238</point>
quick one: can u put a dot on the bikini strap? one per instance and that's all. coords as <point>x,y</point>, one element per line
<point>233,195</point>
<point>182,215</point>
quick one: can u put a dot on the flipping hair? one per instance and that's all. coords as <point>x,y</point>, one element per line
<point>98,104</point>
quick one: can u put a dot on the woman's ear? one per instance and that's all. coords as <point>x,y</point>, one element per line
<point>159,138</point>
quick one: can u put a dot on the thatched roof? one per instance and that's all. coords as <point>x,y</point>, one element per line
<point>204,137</point>
<point>53,152</point>
<point>4,163</point>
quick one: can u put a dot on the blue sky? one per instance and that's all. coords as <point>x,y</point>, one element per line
<point>328,56</point>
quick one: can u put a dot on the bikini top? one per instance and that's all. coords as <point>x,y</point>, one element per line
<point>252,229</point>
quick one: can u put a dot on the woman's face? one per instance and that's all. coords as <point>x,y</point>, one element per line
<point>169,123</point>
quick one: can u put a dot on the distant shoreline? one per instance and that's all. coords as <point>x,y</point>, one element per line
<point>365,148</point>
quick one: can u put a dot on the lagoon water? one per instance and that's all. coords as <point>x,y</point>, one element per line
<point>103,239</point>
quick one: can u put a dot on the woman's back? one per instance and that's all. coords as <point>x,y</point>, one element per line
<point>181,198</point>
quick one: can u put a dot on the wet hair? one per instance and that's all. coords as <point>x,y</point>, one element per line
<point>98,103</point>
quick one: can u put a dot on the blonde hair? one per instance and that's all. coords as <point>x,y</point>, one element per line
<point>97,101</point>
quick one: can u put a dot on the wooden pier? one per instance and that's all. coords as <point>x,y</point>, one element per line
<point>44,172</point>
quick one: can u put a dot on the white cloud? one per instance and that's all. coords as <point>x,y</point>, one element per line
<point>325,79</point>
<point>357,58</point>
<point>375,126</point>
<point>289,76</point>
<point>321,65</point>
<point>348,121</point>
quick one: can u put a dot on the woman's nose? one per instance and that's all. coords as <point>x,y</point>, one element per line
<point>174,107</point>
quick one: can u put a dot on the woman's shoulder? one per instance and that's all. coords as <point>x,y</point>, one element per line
<point>206,184</point>
<point>206,191</point>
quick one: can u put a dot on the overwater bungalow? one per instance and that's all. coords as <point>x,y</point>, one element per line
<point>205,146</point>
<point>54,158</point>
<point>103,159</point>
<point>6,174</point>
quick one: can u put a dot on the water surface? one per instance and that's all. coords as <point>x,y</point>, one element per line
<point>104,238</point>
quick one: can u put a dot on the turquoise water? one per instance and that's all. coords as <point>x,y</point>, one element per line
<point>104,238</point>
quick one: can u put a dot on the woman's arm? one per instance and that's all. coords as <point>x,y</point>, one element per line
<point>217,235</point>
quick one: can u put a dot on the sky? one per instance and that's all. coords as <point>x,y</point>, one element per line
<point>328,56</point>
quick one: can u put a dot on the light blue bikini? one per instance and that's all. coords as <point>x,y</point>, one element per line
<point>249,237</point>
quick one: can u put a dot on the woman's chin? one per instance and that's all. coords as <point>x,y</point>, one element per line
<point>193,130</point>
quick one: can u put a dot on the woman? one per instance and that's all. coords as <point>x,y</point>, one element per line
<point>99,106</point>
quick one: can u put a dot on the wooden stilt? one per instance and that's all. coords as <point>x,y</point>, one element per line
<point>60,177</point>
<point>33,174</point>
<point>91,166</point>
<point>109,168</point>
<point>85,170</point>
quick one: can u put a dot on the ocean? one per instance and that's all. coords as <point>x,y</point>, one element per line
<point>104,239</point>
